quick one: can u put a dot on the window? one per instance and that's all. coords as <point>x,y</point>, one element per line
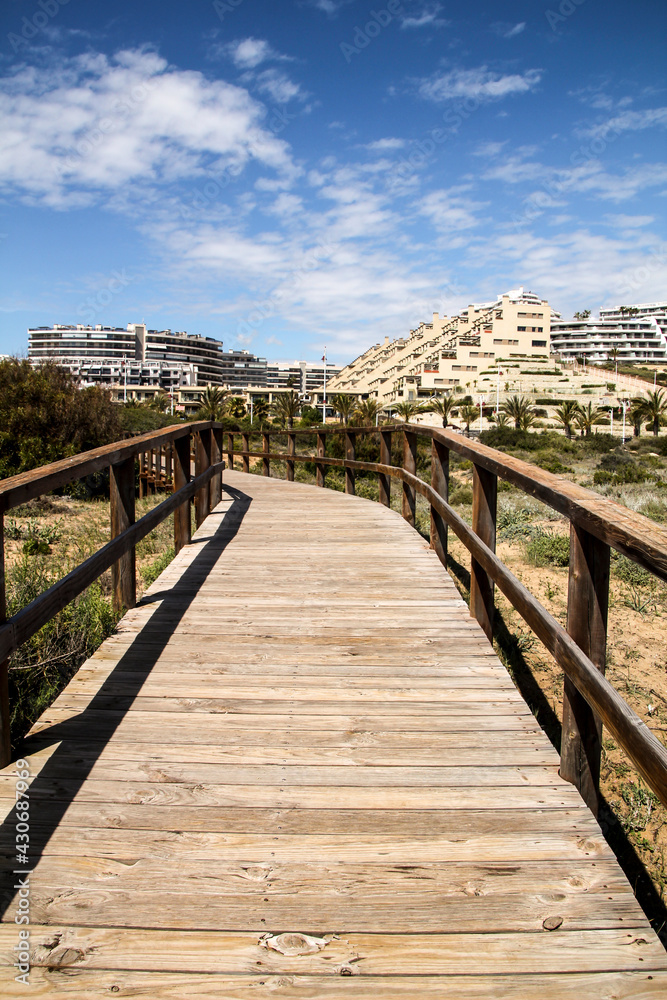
<point>539,343</point>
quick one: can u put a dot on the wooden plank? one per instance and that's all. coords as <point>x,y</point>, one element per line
<point>86,984</point>
<point>381,954</point>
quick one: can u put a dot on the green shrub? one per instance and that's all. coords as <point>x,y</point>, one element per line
<point>549,459</point>
<point>548,550</point>
<point>460,496</point>
<point>43,665</point>
<point>150,573</point>
<point>515,522</point>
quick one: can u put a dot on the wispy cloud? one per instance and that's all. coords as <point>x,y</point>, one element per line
<point>479,83</point>
<point>250,52</point>
<point>629,121</point>
<point>505,30</point>
<point>384,145</point>
<point>428,16</point>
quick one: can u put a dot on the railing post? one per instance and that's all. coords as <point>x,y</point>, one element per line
<point>484,503</point>
<point>230,450</point>
<point>123,572</point>
<point>266,462</point>
<point>182,524</point>
<point>142,475</point>
<point>216,456</point>
<point>440,483</point>
<point>587,606</point>
<point>321,452</point>
<point>5,737</point>
<point>202,462</point>
<point>291,450</point>
<point>384,481</point>
<point>350,450</point>
<point>410,465</point>
<point>150,481</point>
<point>245,438</point>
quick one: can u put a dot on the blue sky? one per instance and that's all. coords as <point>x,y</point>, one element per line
<point>289,175</point>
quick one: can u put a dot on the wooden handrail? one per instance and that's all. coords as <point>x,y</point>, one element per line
<point>159,453</point>
<point>597,524</point>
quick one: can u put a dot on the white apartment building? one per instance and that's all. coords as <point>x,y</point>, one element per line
<point>636,333</point>
<point>74,345</point>
<point>448,352</point>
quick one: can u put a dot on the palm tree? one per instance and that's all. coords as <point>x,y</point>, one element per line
<point>236,407</point>
<point>566,415</point>
<point>518,409</point>
<point>654,406</point>
<point>407,409</point>
<point>343,404</point>
<point>212,403</point>
<point>502,420</point>
<point>443,407</point>
<point>260,409</point>
<point>586,417</point>
<point>366,411</point>
<point>286,407</point>
<point>468,414</point>
<point>637,414</point>
<point>160,401</point>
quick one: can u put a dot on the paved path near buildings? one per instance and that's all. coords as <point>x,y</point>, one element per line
<point>298,770</point>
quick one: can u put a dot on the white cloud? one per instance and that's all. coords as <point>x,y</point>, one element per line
<point>478,84</point>
<point>330,7</point>
<point>279,87</point>
<point>427,16</point>
<point>488,149</point>
<point>629,221</point>
<point>250,52</point>
<point>629,121</point>
<point>505,30</point>
<point>449,211</point>
<point>382,145</point>
<point>93,124</point>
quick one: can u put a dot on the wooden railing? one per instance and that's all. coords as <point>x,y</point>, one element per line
<point>166,459</point>
<point>596,525</point>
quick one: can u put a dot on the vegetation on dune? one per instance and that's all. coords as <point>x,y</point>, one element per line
<point>44,416</point>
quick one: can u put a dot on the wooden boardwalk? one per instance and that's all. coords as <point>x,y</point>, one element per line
<point>298,770</point>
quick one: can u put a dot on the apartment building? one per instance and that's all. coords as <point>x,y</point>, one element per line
<point>74,346</point>
<point>448,353</point>
<point>624,332</point>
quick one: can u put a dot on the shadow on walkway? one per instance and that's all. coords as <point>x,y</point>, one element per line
<point>50,794</point>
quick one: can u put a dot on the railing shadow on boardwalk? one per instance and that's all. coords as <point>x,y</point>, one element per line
<point>49,811</point>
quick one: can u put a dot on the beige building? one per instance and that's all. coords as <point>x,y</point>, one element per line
<point>447,353</point>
